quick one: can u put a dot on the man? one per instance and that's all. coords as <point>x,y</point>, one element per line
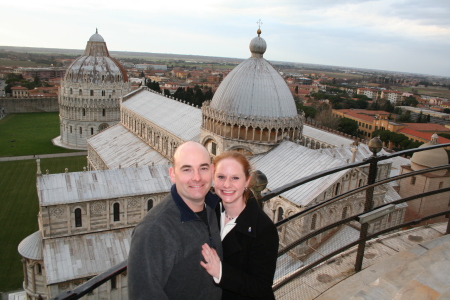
<point>165,252</point>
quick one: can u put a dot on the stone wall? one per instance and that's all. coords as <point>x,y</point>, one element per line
<point>29,104</point>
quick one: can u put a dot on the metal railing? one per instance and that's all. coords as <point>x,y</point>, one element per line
<point>301,254</point>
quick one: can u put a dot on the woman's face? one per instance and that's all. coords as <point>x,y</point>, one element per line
<point>230,181</point>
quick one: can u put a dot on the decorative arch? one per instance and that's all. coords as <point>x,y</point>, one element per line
<point>242,149</point>
<point>103,126</point>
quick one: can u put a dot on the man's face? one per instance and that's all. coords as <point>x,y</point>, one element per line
<point>192,173</point>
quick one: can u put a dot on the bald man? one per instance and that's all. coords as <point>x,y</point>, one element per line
<point>165,252</point>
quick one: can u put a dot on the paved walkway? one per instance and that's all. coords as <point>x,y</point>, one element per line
<point>406,265</point>
<point>422,272</point>
<point>11,158</point>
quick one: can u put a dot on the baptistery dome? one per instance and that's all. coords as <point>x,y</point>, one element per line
<point>253,108</point>
<point>89,98</point>
<point>96,66</point>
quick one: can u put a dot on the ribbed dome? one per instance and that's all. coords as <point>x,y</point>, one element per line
<point>31,246</point>
<point>430,158</point>
<point>96,66</point>
<point>254,88</point>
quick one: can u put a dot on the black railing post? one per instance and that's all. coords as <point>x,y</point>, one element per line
<point>375,146</point>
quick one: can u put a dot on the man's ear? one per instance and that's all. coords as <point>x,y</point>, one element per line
<point>172,174</point>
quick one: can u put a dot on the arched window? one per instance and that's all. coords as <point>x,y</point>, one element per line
<point>103,112</point>
<point>344,213</point>
<point>92,92</point>
<point>78,222</point>
<point>149,204</point>
<point>71,91</point>
<point>360,183</point>
<point>103,93</point>
<point>116,209</point>
<point>313,222</point>
<point>81,130</point>
<point>337,189</point>
<point>38,269</point>
<point>92,131</point>
<point>84,112</point>
<point>280,214</point>
<point>80,92</point>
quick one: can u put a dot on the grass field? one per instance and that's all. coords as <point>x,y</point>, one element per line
<point>28,134</point>
<point>19,209</point>
<point>429,91</point>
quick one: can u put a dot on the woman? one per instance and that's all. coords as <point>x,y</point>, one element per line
<point>249,237</point>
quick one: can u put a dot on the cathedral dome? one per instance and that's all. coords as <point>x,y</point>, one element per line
<point>253,109</point>
<point>255,89</point>
<point>96,66</point>
<point>430,158</point>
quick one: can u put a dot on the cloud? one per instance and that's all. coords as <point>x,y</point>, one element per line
<point>399,35</point>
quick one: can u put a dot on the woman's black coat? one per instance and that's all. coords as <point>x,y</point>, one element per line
<point>249,255</point>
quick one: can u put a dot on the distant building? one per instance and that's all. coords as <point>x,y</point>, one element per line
<point>392,96</point>
<point>368,120</point>
<point>42,73</point>
<point>2,88</point>
<point>19,92</point>
<point>371,93</point>
<point>90,94</point>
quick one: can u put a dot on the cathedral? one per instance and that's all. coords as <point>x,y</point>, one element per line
<point>86,218</point>
<point>89,97</point>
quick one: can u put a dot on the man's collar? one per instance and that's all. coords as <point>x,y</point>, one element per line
<point>186,213</point>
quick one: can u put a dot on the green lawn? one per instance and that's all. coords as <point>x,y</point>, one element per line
<point>28,134</point>
<point>19,208</point>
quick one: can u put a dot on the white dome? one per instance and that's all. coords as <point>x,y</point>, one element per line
<point>430,158</point>
<point>255,89</point>
<point>31,246</point>
<point>96,38</point>
<point>96,66</point>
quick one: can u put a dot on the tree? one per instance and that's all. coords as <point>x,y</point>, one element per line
<point>406,117</point>
<point>362,103</point>
<point>325,118</point>
<point>410,101</point>
<point>296,89</point>
<point>445,135</point>
<point>167,92</point>
<point>209,94</point>
<point>309,111</point>
<point>383,134</point>
<point>348,126</point>
<point>37,81</point>
<point>199,98</point>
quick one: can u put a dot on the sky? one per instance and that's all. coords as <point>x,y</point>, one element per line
<point>396,35</point>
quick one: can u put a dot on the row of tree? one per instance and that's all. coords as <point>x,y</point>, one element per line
<point>194,95</point>
<point>400,141</point>
<point>18,80</point>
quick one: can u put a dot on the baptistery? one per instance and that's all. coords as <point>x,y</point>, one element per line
<point>89,97</point>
